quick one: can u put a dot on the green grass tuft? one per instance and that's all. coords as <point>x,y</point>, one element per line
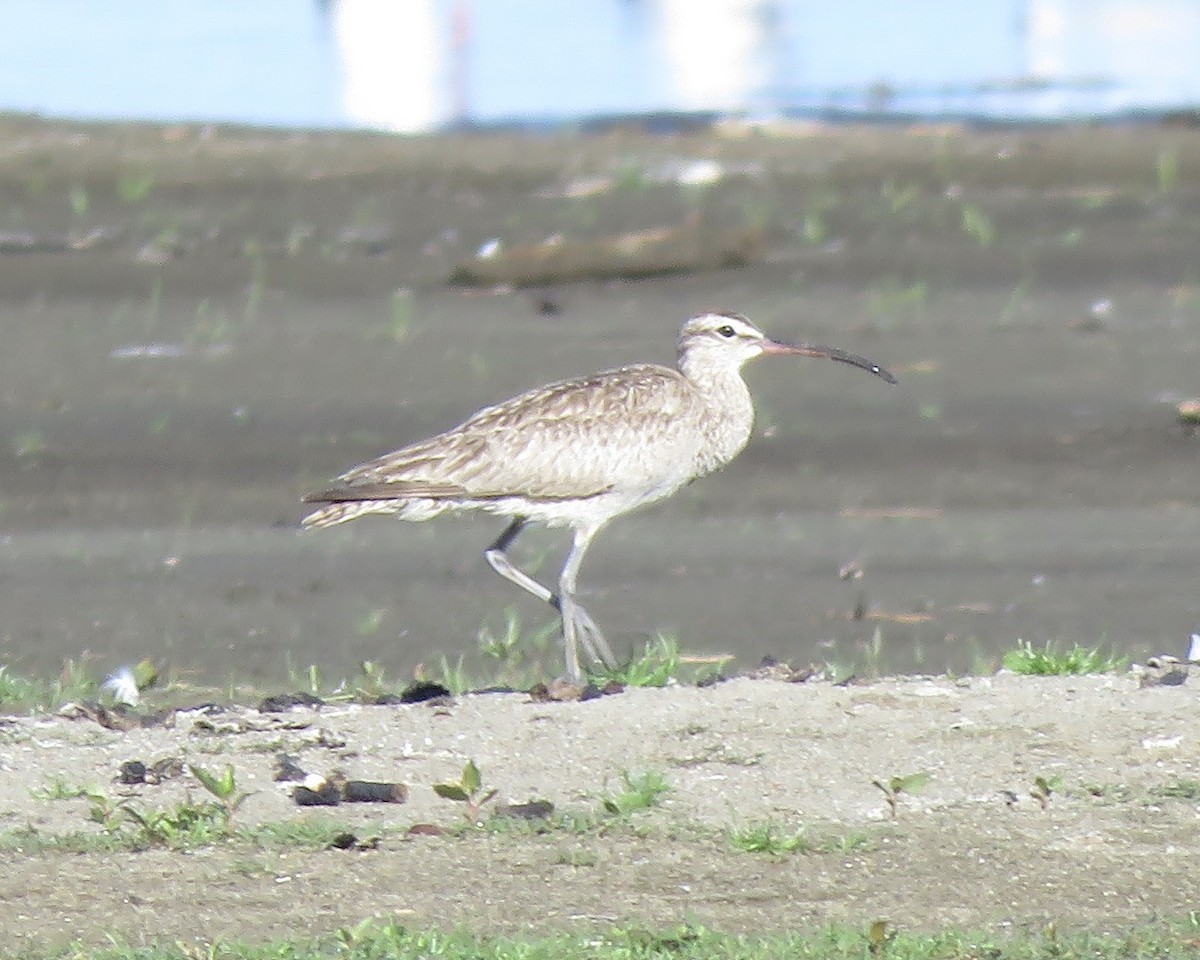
<point>1180,789</point>
<point>642,790</point>
<point>765,836</point>
<point>662,662</point>
<point>1048,661</point>
<point>35,694</point>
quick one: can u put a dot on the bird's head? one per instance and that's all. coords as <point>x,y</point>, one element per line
<point>722,340</point>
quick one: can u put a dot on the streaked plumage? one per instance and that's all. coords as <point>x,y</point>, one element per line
<point>578,453</point>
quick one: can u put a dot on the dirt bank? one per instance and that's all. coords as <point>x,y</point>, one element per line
<point>1114,844</point>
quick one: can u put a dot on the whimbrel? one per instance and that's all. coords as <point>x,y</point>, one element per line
<point>578,453</point>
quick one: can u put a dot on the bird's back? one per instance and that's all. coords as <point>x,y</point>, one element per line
<point>621,429</point>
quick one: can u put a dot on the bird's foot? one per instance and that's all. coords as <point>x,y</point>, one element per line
<point>582,630</point>
<point>592,640</point>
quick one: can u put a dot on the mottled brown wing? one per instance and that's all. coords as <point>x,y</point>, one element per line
<point>426,464</point>
<point>575,438</point>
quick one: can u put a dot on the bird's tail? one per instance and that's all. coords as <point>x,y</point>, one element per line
<point>331,514</point>
<point>408,501</point>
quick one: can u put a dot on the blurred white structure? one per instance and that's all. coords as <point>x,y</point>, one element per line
<point>719,53</point>
<point>394,56</point>
<point>406,64</point>
<point>1145,52</point>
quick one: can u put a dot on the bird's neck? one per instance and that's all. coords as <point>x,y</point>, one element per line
<point>729,416</point>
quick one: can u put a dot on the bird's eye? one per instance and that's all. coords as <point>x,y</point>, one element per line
<point>727,331</point>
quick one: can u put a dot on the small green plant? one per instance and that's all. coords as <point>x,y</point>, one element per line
<point>873,665</point>
<point>132,187</point>
<point>576,858</point>
<point>662,662</point>
<point>899,196</point>
<point>112,816</point>
<point>59,789</point>
<point>79,199</point>
<point>297,237</point>
<point>256,288</point>
<point>370,686</point>
<point>314,679</point>
<point>211,327</point>
<point>102,809</point>
<point>978,224</point>
<point>1180,789</point>
<point>684,940</point>
<point>896,787</point>
<point>224,788</point>
<point>185,825</point>
<point>815,231</point>
<point>309,680</point>
<point>453,676</point>
<point>31,841</point>
<point>845,843</point>
<point>1166,169</point>
<point>642,790</point>
<point>468,790</point>
<point>658,664</point>
<point>879,938</point>
<point>368,623</point>
<point>400,324</point>
<point>15,689</point>
<point>767,837</point>
<point>519,654</point>
<point>1108,792</point>
<point>1048,661</point>
<point>29,445</point>
<point>1043,788</point>
<point>72,683</point>
<point>632,175</point>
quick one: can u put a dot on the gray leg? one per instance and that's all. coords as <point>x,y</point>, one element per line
<point>577,622</point>
<point>498,559</point>
<point>566,601</point>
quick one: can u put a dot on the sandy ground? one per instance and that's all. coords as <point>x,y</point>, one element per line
<point>201,324</point>
<point>1113,846</point>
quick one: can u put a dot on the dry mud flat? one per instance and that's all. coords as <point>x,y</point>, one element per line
<point>1115,845</point>
<point>202,324</point>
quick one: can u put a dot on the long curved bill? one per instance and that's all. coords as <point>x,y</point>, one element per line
<point>828,353</point>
